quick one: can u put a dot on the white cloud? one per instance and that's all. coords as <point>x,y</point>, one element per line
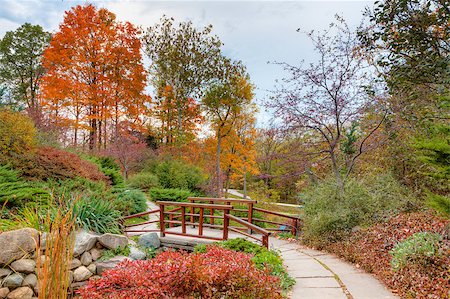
<point>253,31</point>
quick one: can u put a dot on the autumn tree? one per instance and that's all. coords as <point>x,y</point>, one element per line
<point>165,111</point>
<point>323,101</point>
<point>409,43</point>
<point>185,60</point>
<point>95,77</point>
<point>239,152</point>
<point>128,147</point>
<point>224,103</point>
<point>20,64</point>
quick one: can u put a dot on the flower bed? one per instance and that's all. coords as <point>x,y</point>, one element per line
<point>216,273</point>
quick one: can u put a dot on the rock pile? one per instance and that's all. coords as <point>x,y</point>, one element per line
<point>18,271</point>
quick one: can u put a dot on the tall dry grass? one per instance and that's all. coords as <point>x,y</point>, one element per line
<point>54,253</point>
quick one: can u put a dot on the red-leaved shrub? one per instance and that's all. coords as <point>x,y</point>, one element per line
<point>370,249</point>
<point>217,273</point>
<point>51,163</point>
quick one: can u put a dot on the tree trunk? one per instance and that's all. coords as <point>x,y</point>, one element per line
<point>245,182</point>
<point>219,176</point>
<point>337,174</point>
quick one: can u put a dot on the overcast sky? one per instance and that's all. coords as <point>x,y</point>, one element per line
<point>253,31</point>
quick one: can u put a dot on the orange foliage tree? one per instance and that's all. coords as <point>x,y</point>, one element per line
<point>95,77</point>
<point>166,111</point>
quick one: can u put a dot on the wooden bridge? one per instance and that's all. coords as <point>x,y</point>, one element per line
<point>203,217</point>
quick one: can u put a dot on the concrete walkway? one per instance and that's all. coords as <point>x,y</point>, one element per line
<point>323,276</point>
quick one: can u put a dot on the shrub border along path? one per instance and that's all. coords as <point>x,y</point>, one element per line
<point>324,276</point>
<point>318,275</point>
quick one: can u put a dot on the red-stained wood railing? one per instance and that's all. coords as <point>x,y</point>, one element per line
<point>181,207</point>
<point>192,213</point>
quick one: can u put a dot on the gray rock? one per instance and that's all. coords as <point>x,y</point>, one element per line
<point>82,273</point>
<point>86,259</point>
<point>77,285</point>
<point>96,253</point>
<point>17,243</point>
<point>109,264</point>
<point>75,263</point>
<point>21,293</point>
<point>113,241</point>
<point>43,240</point>
<point>93,268</point>
<point>4,292</point>
<point>30,281</point>
<point>23,266</point>
<point>84,241</point>
<point>15,280</point>
<point>149,240</point>
<point>4,272</point>
<point>137,254</point>
<point>70,277</point>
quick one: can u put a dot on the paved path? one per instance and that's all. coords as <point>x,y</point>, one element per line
<point>323,276</point>
<point>318,275</point>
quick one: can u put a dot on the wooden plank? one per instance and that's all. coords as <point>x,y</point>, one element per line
<point>195,205</point>
<point>222,199</point>
<point>249,225</point>
<point>276,213</point>
<point>245,234</point>
<point>193,236</point>
<point>143,223</point>
<point>140,214</point>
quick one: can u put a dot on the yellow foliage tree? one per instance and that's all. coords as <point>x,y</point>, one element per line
<point>17,133</point>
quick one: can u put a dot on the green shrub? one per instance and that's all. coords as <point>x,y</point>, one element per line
<point>169,194</point>
<point>439,203</point>
<point>262,257</point>
<point>144,181</point>
<point>111,169</point>
<point>131,202</point>
<point>15,192</point>
<point>96,214</point>
<point>110,253</point>
<point>418,249</point>
<point>329,216</point>
<point>174,174</point>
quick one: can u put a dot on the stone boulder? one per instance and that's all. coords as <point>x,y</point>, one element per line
<point>75,263</point>
<point>82,273</point>
<point>23,265</point>
<point>96,253</point>
<point>30,281</point>
<point>17,243</point>
<point>4,292</point>
<point>84,241</point>
<point>136,253</point>
<point>149,240</point>
<point>113,241</point>
<point>109,264</point>
<point>21,293</point>
<point>4,272</point>
<point>86,259</point>
<point>13,281</point>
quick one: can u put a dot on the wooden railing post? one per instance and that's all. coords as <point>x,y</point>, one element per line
<point>211,221</point>
<point>250,216</point>
<point>200,223</point>
<point>265,241</point>
<point>192,212</point>
<point>183,220</point>
<point>161,220</point>
<point>226,222</point>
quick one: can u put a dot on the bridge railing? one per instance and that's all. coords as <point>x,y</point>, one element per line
<point>193,214</point>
